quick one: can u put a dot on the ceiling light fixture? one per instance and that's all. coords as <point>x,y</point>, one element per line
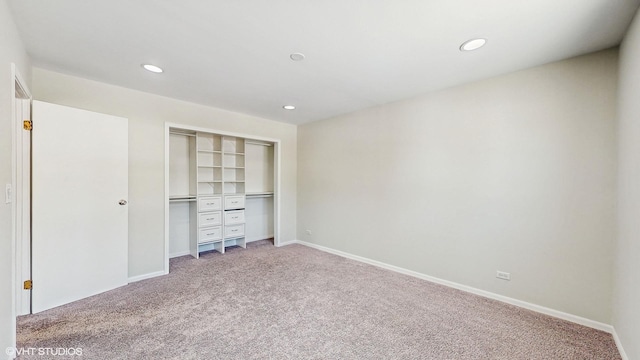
<point>297,56</point>
<point>152,68</point>
<point>473,44</point>
<point>289,107</point>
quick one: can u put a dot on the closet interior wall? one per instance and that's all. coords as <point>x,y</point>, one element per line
<point>182,192</point>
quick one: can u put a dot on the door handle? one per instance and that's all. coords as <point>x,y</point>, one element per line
<point>122,202</point>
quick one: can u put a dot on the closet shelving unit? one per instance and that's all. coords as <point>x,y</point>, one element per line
<point>233,160</point>
<point>209,180</point>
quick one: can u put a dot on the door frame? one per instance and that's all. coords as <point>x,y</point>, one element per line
<point>20,244</point>
<point>276,175</point>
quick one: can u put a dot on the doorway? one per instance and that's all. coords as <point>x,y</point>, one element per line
<point>21,191</point>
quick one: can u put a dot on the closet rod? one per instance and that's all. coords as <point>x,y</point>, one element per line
<point>259,195</point>
<point>257,143</point>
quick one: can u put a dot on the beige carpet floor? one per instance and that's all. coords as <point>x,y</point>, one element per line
<point>295,302</point>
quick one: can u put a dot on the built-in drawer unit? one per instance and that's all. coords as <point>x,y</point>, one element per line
<point>233,231</point>
<point>209,203</point>
<point>209,219</point>
<point>234,202</point>
<point>209,234</point>
<point>234,217</point>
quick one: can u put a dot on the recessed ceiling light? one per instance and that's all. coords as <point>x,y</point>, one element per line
<point>473,44</point>
<point>297,56</point>
<point>289,107</point>
<point>152,68</point>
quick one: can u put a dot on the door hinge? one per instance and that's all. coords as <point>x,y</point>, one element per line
<point>28,285</point>
<point>27,125</point>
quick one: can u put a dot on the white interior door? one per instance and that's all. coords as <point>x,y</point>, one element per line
<point>79,181</point>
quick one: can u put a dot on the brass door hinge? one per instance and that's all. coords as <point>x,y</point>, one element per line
<point>28,285</point>
<point>28,125</point>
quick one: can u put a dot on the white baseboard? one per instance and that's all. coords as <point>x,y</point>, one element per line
<point>619,345</point>
<point>180,253</point>
<point>523,304</point>
<point>258,238</point>
<point>147,276</point>
<point>285,243</point>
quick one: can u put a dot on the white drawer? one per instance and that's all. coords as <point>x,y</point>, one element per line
<point>234,217</point>
<point>209,204</point>
<point>210,219</point>
<point>210,234</point>
<point>233,231</point>
<point>234,202</point>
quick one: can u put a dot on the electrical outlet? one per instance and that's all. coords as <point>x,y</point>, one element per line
<point>308,232</point>
<point>503,275</point>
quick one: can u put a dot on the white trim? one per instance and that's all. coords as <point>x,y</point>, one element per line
<point>623,354</point>
<point>259,238</point>
<point>523,304</point>
<point>180,253</point>
<point>291,242</point>
<point>146,276</point>
<point>219,132</point>
<point>16,262</point>
<point>277,173</point>
<point>167,136</point>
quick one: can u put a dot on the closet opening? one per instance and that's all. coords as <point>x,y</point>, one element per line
<point>221,190</point>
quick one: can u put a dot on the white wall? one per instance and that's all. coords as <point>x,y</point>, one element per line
<point>514,173</point>
<point>11,51</point>
<point>626,296</point>
<point>147,114</point>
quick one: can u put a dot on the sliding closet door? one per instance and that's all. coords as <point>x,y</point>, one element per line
<point>79,211</point>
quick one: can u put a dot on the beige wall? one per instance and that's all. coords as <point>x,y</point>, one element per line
<point>626,296</point>
<point>515,173</point>
<point>11,51</point>
<point>147,115</point>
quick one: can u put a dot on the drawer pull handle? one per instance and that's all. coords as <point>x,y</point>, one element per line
<point>211,203</point>
<point>235,217</point>
<point>211,218</point>
<point>234,230</point>
<point>211,234</point>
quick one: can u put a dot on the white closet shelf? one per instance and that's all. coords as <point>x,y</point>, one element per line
<point>233,153</point>
<point>210,181</point>
<point>234,181</point>
<point>211,151</point>
<point>210,242</point>
<point>234,167</point>
<point>209,166</point>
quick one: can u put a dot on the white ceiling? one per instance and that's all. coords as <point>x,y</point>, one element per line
<point>234,54</point>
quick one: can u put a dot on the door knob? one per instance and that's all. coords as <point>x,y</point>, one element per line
<point>122,202</point>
